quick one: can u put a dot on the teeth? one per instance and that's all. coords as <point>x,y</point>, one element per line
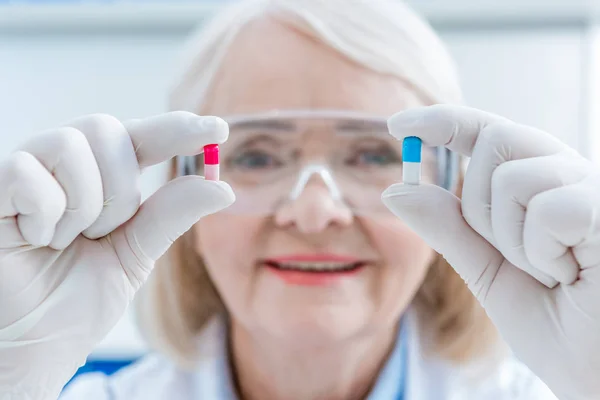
<point>306,266</point>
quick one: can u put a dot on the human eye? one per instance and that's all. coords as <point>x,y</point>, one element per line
<point>374,155</point>
<point>254,159</point>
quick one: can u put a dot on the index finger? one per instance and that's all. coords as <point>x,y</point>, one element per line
<point>458,128</point>
<point>164,136</point>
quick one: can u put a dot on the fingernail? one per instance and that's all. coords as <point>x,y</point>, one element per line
<point>395,190</point>
<point>212,123</point>
<point>405,122</point>
<point>47,236</point>
<point>228,194</point>
<point>215,125</point>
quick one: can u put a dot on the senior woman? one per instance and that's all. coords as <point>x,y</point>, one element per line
<point>298,282</point>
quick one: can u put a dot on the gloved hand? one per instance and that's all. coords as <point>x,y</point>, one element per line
<point>530,208</point>
<point>75,244</point>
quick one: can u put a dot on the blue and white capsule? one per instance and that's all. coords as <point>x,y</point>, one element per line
<point>411,160</point>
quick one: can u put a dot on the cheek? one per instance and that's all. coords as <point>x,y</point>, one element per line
<point>228,245</point>
<point>406,257</point>
<point>403,250</point>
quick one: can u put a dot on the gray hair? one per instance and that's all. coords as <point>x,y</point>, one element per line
<point>385,36</point>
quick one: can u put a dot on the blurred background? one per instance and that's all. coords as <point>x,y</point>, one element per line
<point>534,61</point>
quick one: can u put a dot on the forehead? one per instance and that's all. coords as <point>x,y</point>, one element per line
<point>272,65</point>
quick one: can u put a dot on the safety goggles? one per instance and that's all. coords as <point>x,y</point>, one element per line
<point>348,159</point>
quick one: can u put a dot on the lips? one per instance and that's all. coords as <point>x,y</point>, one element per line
<point>311,269</point>
<point>316,266</point>
<point>315,262</point>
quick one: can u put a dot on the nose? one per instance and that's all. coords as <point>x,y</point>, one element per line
<point>315,204</point>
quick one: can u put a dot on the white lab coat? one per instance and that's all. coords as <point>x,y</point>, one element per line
<point>157,378</point>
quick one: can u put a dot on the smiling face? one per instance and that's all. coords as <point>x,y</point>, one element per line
<point>257,262</point>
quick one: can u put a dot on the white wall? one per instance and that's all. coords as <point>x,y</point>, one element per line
<point>531,76</point>
<point>534,76</point>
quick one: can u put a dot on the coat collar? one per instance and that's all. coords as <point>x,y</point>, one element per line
<point>426,379</point>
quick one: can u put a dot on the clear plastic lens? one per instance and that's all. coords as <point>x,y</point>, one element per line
<point>270,162</point>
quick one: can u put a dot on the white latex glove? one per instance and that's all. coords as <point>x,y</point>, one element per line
<point>530,207</point>
<point>75,244</point>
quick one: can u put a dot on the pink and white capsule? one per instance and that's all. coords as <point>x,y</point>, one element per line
<point>211,162</point>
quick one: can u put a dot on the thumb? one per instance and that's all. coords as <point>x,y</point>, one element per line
<point>523,310</point>
<point>172,211</point>
<point>435,215</point>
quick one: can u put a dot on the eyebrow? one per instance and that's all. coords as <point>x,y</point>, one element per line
<point>362,126</point>
<point>258,139</point>
<point>271,125</point>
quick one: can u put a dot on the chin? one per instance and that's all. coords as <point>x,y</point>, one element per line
<point>316,326</point>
